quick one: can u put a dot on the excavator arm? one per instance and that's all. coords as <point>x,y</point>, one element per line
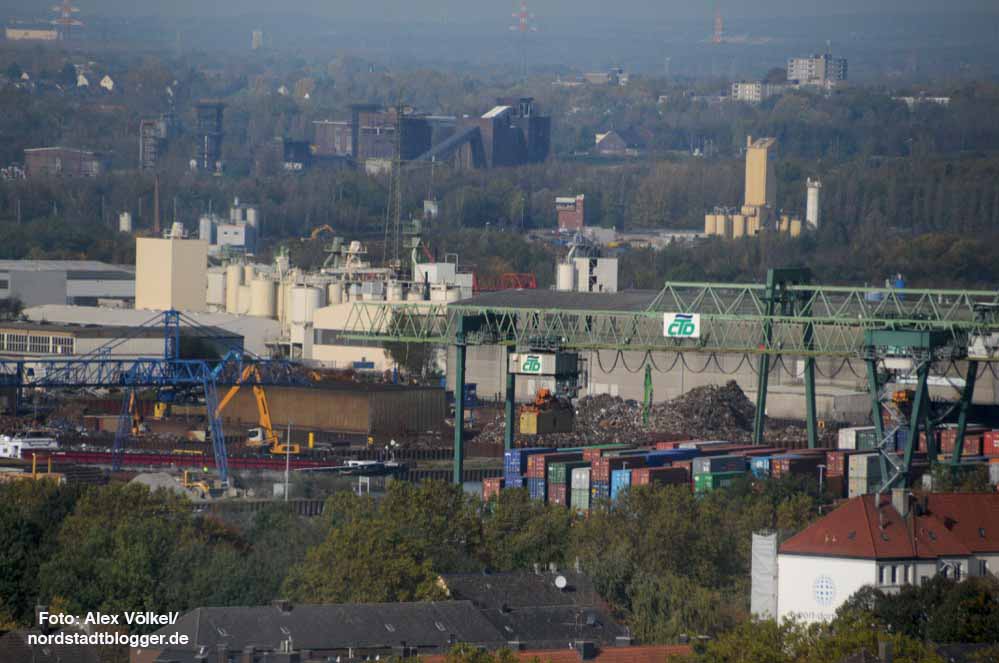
<point>270,438</point>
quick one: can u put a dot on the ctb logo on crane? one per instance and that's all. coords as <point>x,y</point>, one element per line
<point>681,325</point>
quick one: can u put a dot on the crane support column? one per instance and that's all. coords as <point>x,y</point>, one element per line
<point>810,418</point>
<point>460,346</point>
<point>962,417</point>
<point>874,387</point>
<point>509,402</point>
<point>919,407</point>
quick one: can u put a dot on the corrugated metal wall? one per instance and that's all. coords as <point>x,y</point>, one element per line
<point>343,410</point>
<point>406,410</point>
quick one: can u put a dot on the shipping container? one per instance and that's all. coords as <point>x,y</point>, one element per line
<point>717,464</point>
<point>795,465</point>
<point>580,479</point>
<point>867,438</point>
<point>491,487</point>
<point>857,486</point>
<point>515,460</point>
<point>835,486</point>
<point>603,466</point>
<point>513,481</point>
<point>994,471</point>
<point>547,421</point>
<point>707,482</point>
<point>865,466</point>
<point>760,466</point>
<point>645,476</point>
<point>561,473</point>
<point>579,499</point>
<point>589,453</point>
<point>990,443</point>
<point>847,437</point>
<point>558,495</point>
<point>973,442</point>
<point>599,490</point>
<point>537,464</point>
<point>620,482</point>
<point>537,489</point>
<point>838,460</point>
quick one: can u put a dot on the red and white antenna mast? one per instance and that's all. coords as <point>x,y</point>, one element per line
<point>65,19</point>
<point>719,33</point>
<point>524,25</point>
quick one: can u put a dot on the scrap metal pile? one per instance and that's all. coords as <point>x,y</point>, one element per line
<point>705,413</point>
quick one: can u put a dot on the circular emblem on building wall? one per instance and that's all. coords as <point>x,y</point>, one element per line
<point>824,590</point>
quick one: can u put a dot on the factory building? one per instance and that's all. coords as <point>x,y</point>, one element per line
<point>65,162</point>
<point>154,137</point>
<point>370,134</point>
<point>823,70</point>
<point>236,234</point>
<point>47,340</point>
<point>209,132</point>
<point>79,282</point>
<point>28,32</point>
<point>171,274</point>
<point>512,133</point>
<point>571,212</point>
<point>888,542</point>
<point>759,210</point>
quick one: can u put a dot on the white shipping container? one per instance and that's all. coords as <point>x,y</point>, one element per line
<point>861,486</point>
<point>847,438</point>
<point>865,466</point>
<point>994,474</point>
<point>581,478</point>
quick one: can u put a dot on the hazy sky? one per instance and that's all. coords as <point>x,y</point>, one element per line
<point>463,10</point>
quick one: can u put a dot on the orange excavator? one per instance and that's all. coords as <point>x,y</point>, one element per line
<point>546,414</point>
<point>264,436</point>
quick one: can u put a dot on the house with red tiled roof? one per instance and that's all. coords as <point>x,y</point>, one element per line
<point>887,542</point>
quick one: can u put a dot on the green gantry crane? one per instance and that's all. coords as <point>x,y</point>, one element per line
<point>785,316</point>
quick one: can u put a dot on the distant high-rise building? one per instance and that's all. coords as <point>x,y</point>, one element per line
<point>257,40</point>
<point>208,153</point>
<point>817,70</point>
<point>754,92</point>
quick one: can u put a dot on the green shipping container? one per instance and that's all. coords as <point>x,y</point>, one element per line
<point>707,482</point>
<point>562,472</point>
<point>867,438</point>
<point>580,499</point>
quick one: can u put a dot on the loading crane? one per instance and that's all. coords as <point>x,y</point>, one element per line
<point>264,436</point>
<point>167,372</point>
<point>788,316</point>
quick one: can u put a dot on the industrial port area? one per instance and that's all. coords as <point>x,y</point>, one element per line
<point>352,340</point>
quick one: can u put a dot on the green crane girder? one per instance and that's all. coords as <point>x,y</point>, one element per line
<point>728,325</point>
<point>786,316</point>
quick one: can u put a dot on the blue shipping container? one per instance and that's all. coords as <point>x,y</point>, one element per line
<point>620,482</point>
<point>760,466</point>
<point>513,481</point>
<point>515,460</point>
<point>537,489</point>
<point>599,490</point>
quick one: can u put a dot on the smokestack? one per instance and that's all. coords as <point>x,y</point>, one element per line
<point>156,206</point>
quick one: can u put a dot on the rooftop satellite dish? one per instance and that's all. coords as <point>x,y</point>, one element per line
<point>561,582</point>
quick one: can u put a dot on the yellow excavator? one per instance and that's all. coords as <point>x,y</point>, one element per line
<point>264,436</point>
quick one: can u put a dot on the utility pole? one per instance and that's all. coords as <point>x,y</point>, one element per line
<point>287,461</point>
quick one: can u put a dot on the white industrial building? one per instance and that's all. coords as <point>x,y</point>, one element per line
<point>257,333</point>
<point>171,274</point>
<point>886,542</point>
<point>80,282</point>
